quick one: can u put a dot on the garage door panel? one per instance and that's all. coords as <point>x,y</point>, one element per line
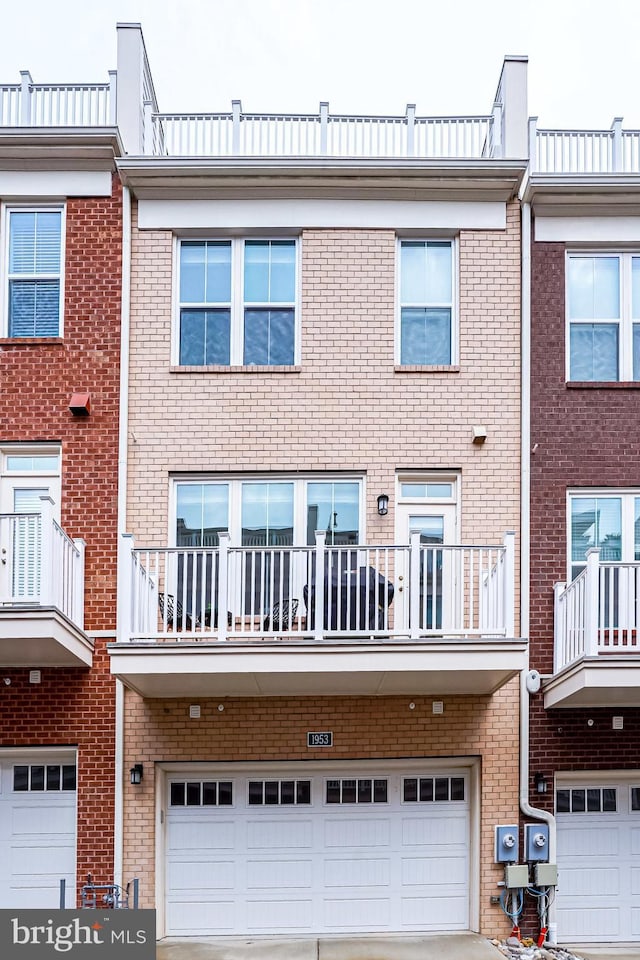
<point>588,841</point>
<point>284,874</point>
<point>352,832</point>
<point>201,834</point>
<point>203,875</point>
<point>635,923</point>
<point>58,819</point>
<point>36,859</point>
<point>432,913</point>
<point>277,834</point>
<point>188,917</point>
<point>581,882</point>
<point>421,871</point>
<point>635,880</point>
<point>348,873</point>
<point>292,913</point>
<point>635,841</point>
<point>356,913</point>
<point>598,923</point>
<point>437,832</point>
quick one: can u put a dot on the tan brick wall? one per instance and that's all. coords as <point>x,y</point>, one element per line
<point>346,407</point>
<point>375,728</point>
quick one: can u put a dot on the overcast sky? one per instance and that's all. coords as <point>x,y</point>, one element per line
<point>363,56</point>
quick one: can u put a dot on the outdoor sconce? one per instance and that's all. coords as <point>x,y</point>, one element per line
<point>136,774</point>
<point>541,782</point>
<point>383,505</point>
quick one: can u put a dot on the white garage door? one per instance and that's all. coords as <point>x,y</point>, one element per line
<point>598,897</point>
<point>317,854</point>
<point>37,830</point>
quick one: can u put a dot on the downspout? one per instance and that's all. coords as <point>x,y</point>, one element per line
<point>525,540</point>
<point>122,517</point>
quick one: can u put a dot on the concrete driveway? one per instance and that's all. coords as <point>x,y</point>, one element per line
<point>605,951</point>
<point>453,946</point>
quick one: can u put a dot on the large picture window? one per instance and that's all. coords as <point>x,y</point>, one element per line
<point>426,335</point>
<point>33,272</point>
<point>237,302</point>
<point>603,310</point>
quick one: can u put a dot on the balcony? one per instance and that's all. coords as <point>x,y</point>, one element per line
<point>584,152</point>
<point>597,637</point>
<point>29,104</point>
<point>41,593</point>
<point>329,620</point>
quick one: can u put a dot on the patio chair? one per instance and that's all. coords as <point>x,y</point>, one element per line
<point>282,615</point>
<point>177,619</point>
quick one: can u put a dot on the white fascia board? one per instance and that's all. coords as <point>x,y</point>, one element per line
<point>588,229</point>
<point>274,214</point>
<point>54,183</point>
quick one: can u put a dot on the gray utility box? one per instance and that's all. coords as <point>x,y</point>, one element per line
<point>546,874</point>
<point>516,876</point>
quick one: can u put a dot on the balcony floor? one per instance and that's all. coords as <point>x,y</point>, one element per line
<point>36,636</point>
<point>608,680</point>
<point>270,667</point>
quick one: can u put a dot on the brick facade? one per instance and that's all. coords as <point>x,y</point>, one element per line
<point>76,707</point>
<point>581,437</point>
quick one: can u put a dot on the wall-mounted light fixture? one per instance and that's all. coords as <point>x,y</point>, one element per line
<point>383,505</point>
<point>136,773</point>
<point>540,782</point>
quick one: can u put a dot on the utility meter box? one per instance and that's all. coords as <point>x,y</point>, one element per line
<point>516,876</point>
<point>506,844</point>
<point>536,842</point>
<point>546,875</point>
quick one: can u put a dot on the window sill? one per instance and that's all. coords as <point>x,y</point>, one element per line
<point>219,368</point>
<point>427,368</point>
<point>31,341</point>
<point>603,384</point>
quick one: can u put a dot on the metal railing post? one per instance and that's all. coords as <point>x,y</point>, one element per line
<point>592,602</point>
<point>136,886</point>
<point>318,602</point>
<point>223,583</point>
<point>63,893</point>
<point>414,584</point>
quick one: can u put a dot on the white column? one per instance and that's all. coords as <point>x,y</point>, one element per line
<point>318,602</point>
<point>497,129</point>
<point>414,584</point>
<point>617,159</point>
<point>512,93</point>
<point>78,584</point>
<point>591,600</point>
<point>130,86</point>
<point>125,587</point>
<point>223,583</point>
<point>47,552</point>
<point>113,97</point>
<point>324,128</point>
<point>236,110</point>
<point>509,583</point>
<point>559,628</point>
<point>25,98</point>
<point>411,129</point>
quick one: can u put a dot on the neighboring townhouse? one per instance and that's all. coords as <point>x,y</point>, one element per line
<point>60,295</point>
<point>318,629</point>
<point>583,202</point>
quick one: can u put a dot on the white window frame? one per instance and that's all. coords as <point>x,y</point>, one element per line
<point>454,305</point>
<point>5,210</point>
<point>624,322</point>
<point>237,304</point>
<point>299,482</point>
<point>9,479</point>
<point>626,495</point>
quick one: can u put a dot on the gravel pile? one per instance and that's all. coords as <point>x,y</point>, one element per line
<point>526,949</point>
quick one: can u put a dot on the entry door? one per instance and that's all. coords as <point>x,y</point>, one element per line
<point>20,535</point>
<point>436,526</point>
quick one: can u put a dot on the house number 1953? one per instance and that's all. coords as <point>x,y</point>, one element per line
<point>324,739</point>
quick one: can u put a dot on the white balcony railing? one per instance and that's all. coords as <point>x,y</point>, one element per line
<point>323,135</point>
<point>29,104</point>
<point>39,565</point>
<point>318,592</point>
<point>598,613</point>
<point>584,151</point>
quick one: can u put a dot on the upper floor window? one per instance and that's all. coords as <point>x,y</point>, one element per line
<point>237,302</point>
<point>427,290</point>
<point>603,309</point>
<point>33,290</point>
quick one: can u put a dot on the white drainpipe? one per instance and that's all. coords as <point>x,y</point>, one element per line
<point>122,515</point>
<point>525,518</point>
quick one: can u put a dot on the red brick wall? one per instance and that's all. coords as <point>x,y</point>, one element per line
<point>76,707</point>
<point>582,436</point>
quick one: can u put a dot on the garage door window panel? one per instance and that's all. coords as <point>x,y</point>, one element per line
<point>38,777</point>
<point>356,791</point>
<point>587,800</point>
<point>205,793</point>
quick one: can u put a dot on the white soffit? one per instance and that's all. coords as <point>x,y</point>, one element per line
<point>54,183</point>
<point>275,214</point>
<point>588,229</point>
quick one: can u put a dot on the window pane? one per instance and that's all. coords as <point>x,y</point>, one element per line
<point>21,778</point>
<point>303,791</point>
<point>193,794</point>
<point>334,507</point>
<point>34,241</point>
<point>255,792</point>
<point>594,801</point>
<point>425,272</point>
<point>271,794</point>
<point>365,793</point>
<point>269,337</point>
<point>209,794</point>
<point>379,791</point>
<point>594,288</point>
<point>596,522</point>
<point>609,800</point>
<point>426,789</point>
<point>37,778</point>
<point>636,351</point>
<point>348,791</point>
<point>635,288</point>
<point>225,793</point>
<point>69,777</point>
<point>594,351</point>
<point>562,801</point>
<point>205,272</point>
<point>457,788</point>
<point>267,514</point>
<point>287,791</point>
<point>333,791</point>
<point>23,464</point>
<point>205,337</point>
<point>269,271</point>
<point>34,308</point>
<point>202,512</point>
<point>578,801</point>
<point>53,777</point>
<point>442,788</point>
<point>425,336</point>
<point>410,790</point>
<point>636,528</point>
<point>177,794</point>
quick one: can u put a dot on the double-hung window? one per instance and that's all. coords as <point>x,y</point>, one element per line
<point>33,290</point>
<point>603,312</point>
<point>605,520</point>
<point>427,334</point>
<point>237,302</point>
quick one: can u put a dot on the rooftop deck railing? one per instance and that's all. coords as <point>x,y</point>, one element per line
<point>598,613</point>
<point>316,592</point>
<point>40,564</point>
<point>584,151</point>
<point>29,104</point>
